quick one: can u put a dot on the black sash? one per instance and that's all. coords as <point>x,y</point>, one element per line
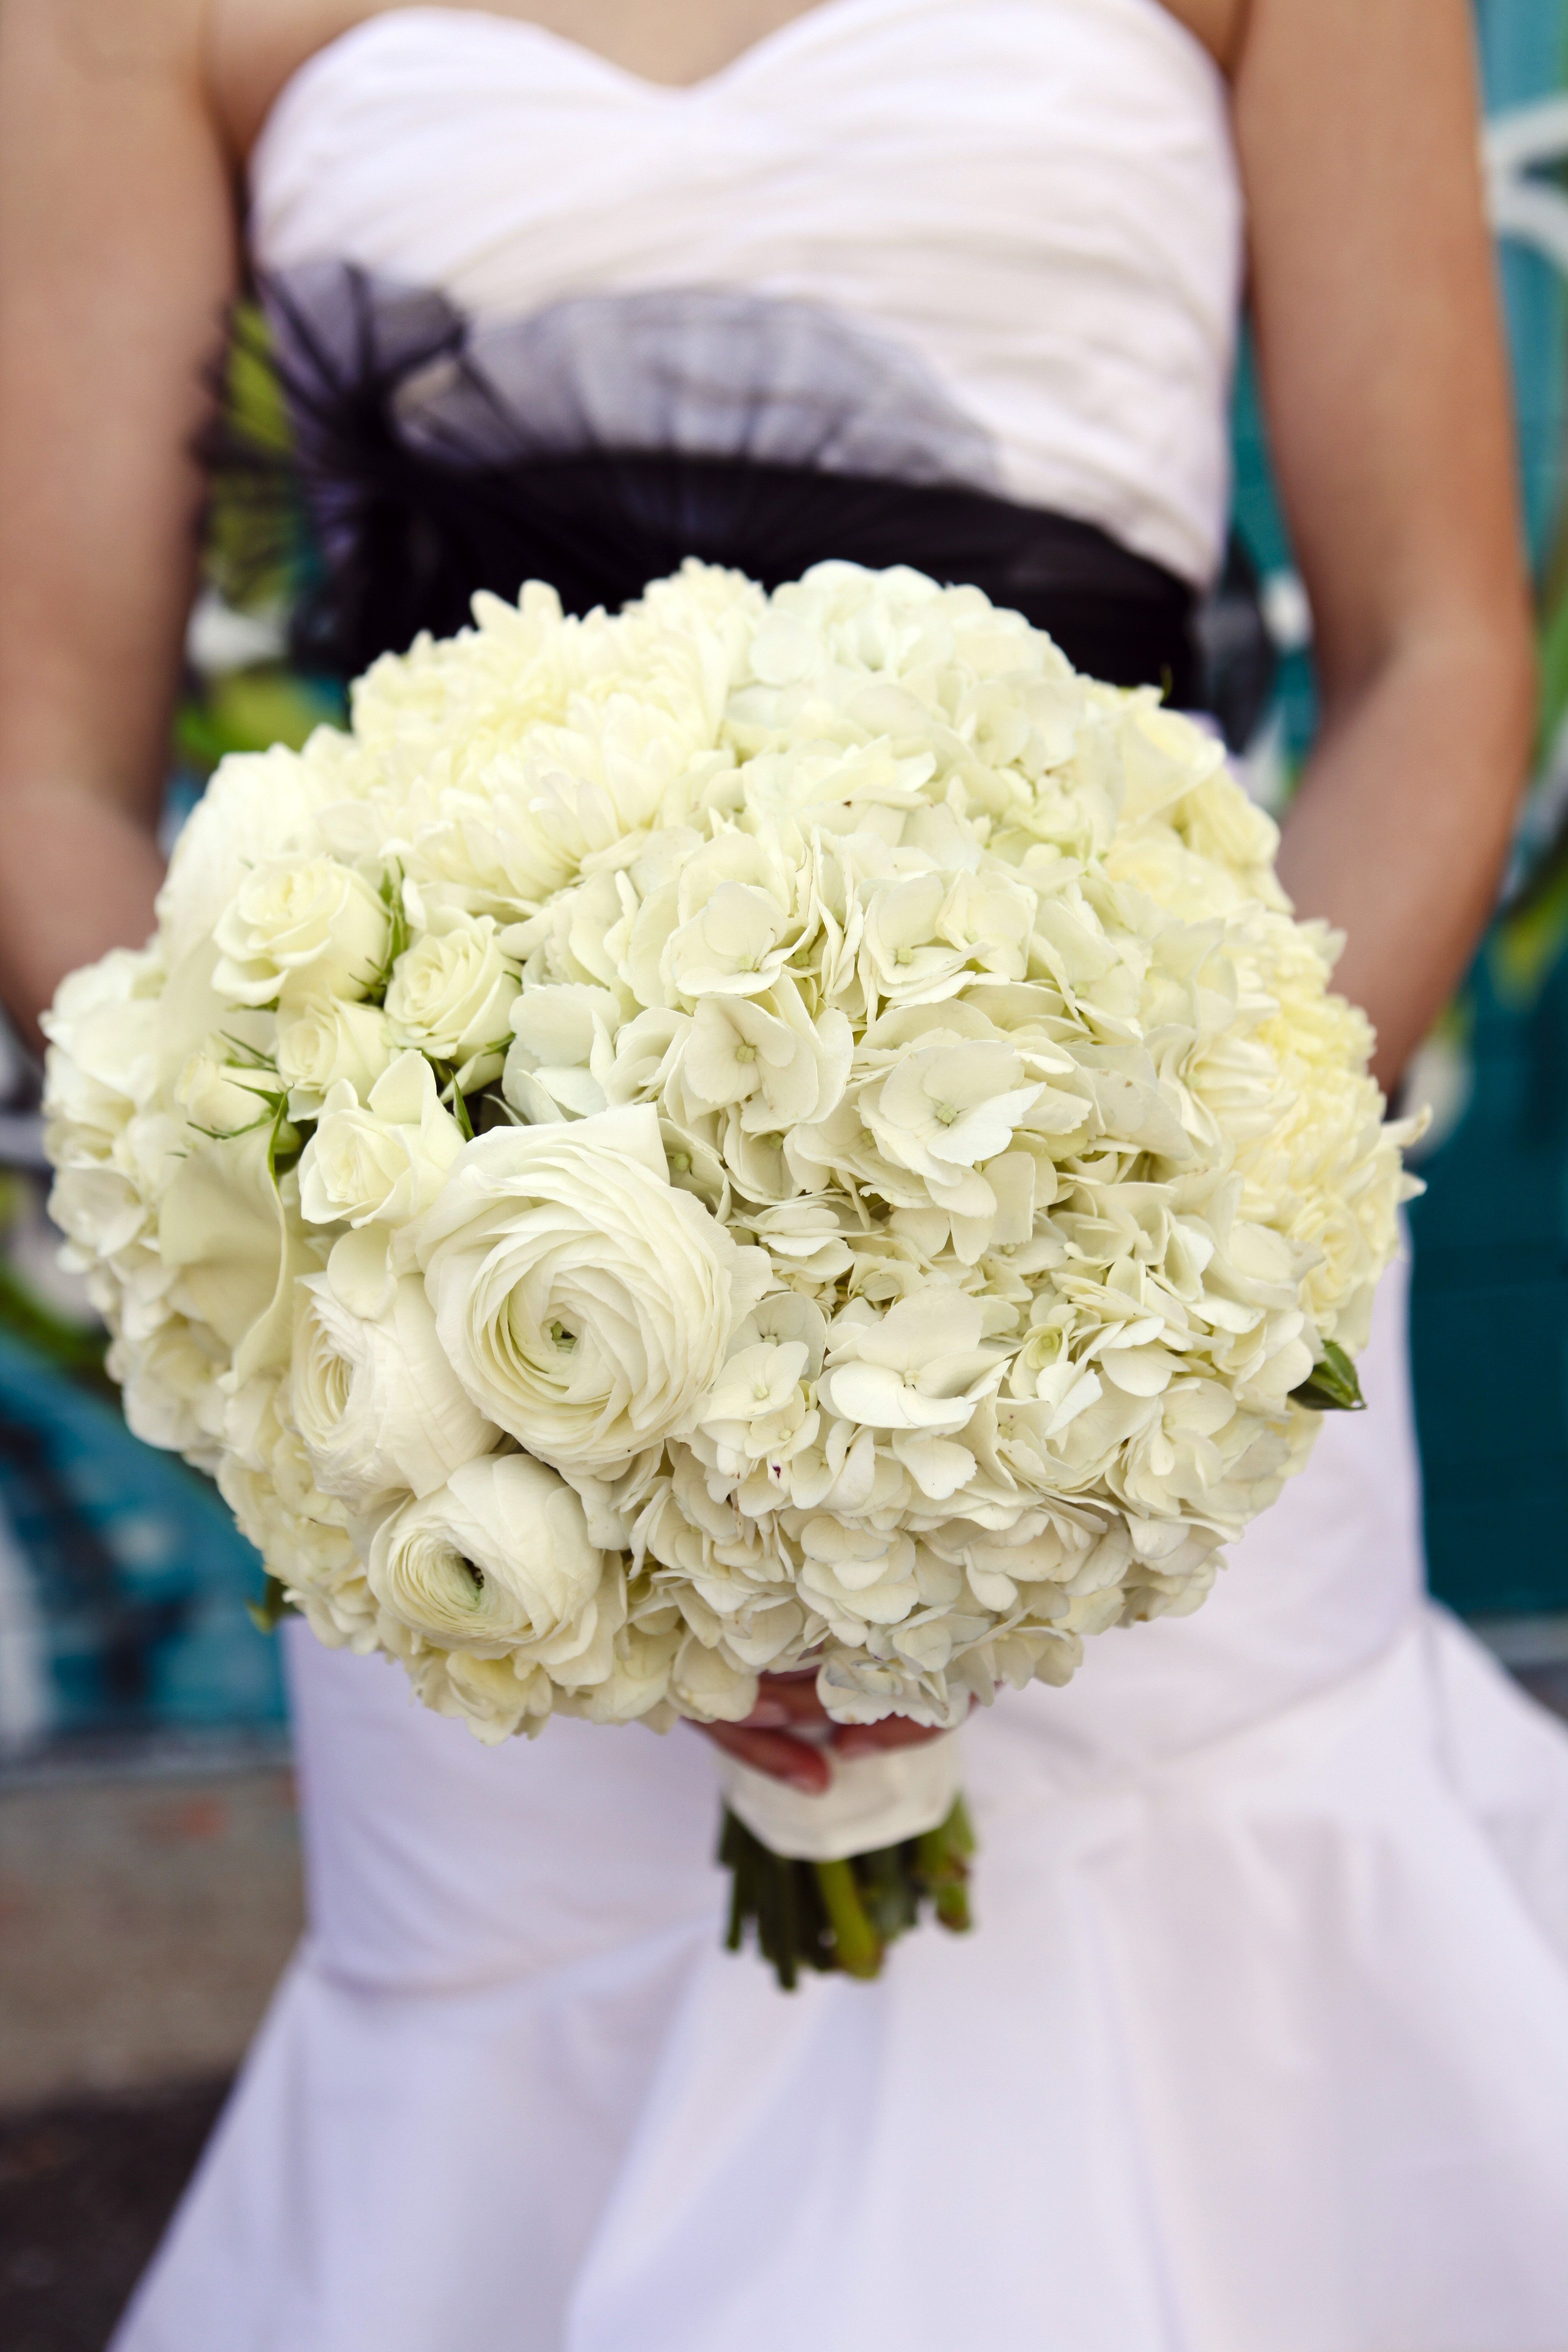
<point>406,529</point>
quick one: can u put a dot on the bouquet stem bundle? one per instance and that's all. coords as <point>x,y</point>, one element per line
<point>843,1915</point>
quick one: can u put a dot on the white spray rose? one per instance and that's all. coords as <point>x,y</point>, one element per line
<point>379,1408</point>
<point>257,806</point>
<point>385,1161</point>
<point>221,1096</point>
<point>585,1303</point>
<point>452,993</point>
<point>300,926</point>
<point>328,1041</point>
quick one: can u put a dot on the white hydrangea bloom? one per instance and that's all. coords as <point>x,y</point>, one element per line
<point>755,1131</point>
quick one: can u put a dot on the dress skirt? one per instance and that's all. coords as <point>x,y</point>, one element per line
<point>1260,2044</point>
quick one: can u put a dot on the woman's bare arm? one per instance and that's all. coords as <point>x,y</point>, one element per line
<point>117,254</point>
<point>1387,402</point>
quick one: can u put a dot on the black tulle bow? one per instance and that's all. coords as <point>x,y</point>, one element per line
<point>410,511</point>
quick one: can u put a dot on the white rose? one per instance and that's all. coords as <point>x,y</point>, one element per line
<point>224,1097</point>
<point>259,804</point>
<point>299,927</point>
<point>330,1040</point>
<point>452,993</point>
<point>585,1303</point>
<point>499,1562</point>
<point>377,1404</point>
<point>385,1161</point>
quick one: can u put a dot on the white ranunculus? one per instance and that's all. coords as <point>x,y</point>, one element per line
<point>328,1040</point>
<point>936,1157</point>
<point>451,994</point>
<point>498,1561</point>
<point>584,1303</point>
<point>379,1408</point>
<point>298,928</point>
<point>385,1161</point>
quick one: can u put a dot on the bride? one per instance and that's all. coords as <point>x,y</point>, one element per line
<point>1263,2045</point>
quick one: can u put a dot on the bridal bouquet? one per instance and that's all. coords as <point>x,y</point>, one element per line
<point>764,1132</point>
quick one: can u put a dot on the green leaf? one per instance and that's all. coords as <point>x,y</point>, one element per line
<point>246,1057</point>
<point>397,934</point>
<point>1331,1386</point>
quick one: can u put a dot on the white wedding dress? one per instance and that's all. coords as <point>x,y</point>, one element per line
<point>1262,2043</point>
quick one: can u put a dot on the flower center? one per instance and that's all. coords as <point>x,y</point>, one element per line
<point>563,1339</point>
<point>471,1571</point>
<point>744,1052</point>
<point>945,1112</point>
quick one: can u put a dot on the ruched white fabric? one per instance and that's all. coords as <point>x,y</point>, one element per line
<point>1033,200</point>
<point>1262,2043</point>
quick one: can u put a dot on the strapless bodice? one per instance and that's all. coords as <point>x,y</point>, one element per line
<point>993,243</point>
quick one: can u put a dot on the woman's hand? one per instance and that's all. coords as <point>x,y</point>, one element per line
<point>770,1741</point>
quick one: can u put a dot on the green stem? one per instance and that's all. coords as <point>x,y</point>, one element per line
<point>941,1865</point>
<point>857,1944</point>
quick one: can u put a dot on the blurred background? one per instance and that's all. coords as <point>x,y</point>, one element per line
<point>148,1888</point>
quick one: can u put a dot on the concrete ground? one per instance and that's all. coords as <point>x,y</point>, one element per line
<point>143,1922</point>
<point>144,1918</point>
<point>145,1913</point>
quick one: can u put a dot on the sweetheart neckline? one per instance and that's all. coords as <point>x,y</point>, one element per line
<point>528,29</point>
<point>760,52</point>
